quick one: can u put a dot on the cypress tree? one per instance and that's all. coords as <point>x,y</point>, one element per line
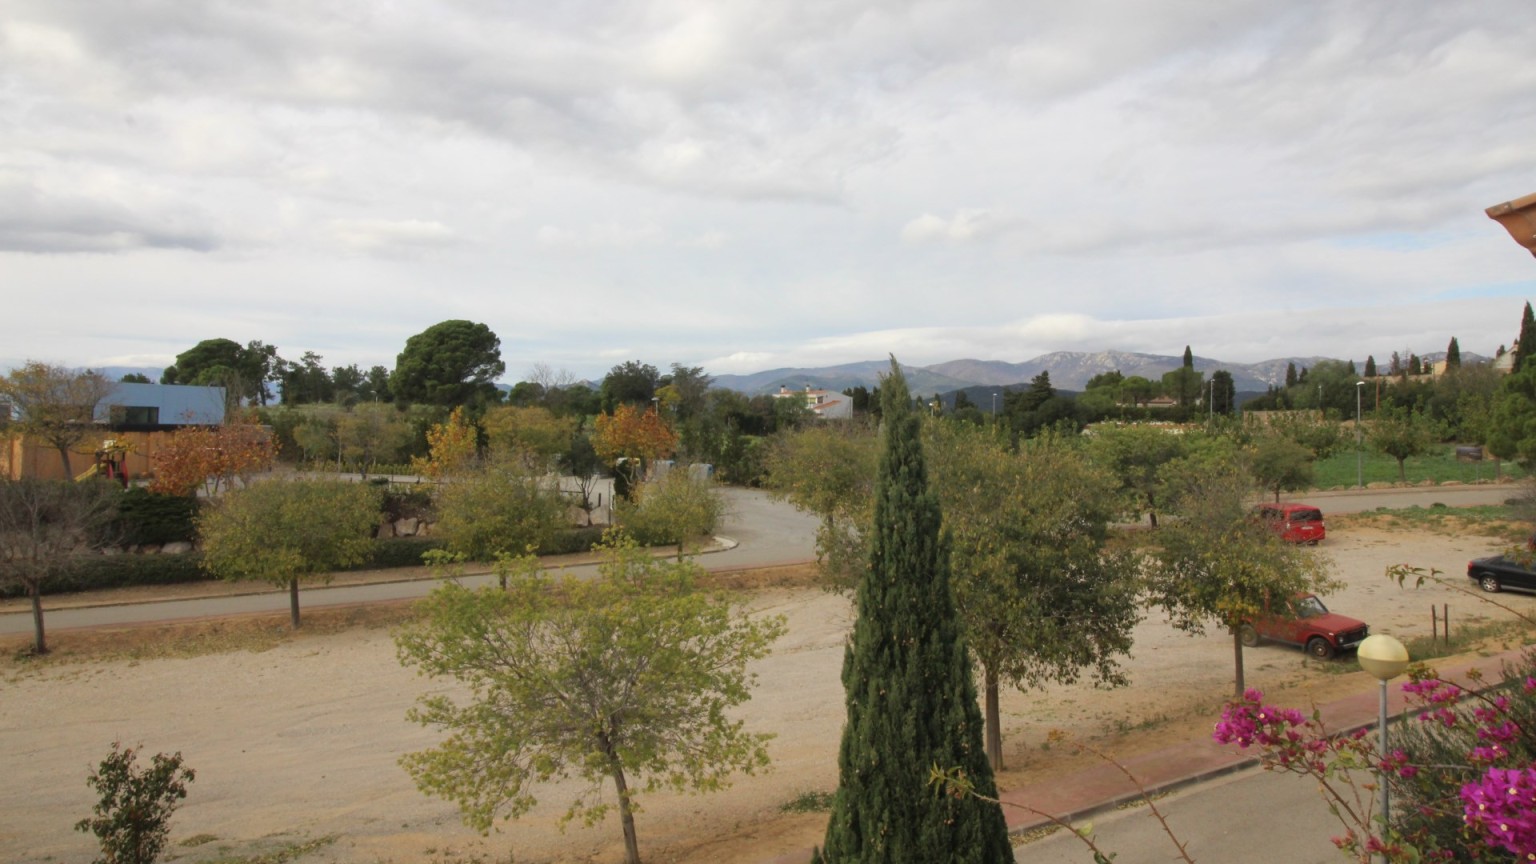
<point>1526,344</point>
<point>1370,366</point>
<point>1452,355</point>
<point>907,676</point>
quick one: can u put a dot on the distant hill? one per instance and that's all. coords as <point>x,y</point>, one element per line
<point>839,378</point>
<point>1069,370</point>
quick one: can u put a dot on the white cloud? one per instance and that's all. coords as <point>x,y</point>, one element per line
<point>963,227</point>
<point>791,183</point>
<point>383,236</point>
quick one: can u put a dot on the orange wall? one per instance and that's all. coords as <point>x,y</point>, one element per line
<point>23,457</point>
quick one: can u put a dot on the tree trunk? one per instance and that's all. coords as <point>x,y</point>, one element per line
<point>39,641</point>
<point>293,601</point>
<point>993,720</point>
<point>1402,471</point>
<point>69,473</point>
<point>626,810</point>
<point>1237,662</point>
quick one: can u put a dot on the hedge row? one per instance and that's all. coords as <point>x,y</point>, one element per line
<point>97,572</point>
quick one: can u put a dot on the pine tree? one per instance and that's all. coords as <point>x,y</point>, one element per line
<point>1452,355</point>
<point>909,688</point>
<point>1290,375</point>
<point>1370,366</point>
<point>1525,346</point>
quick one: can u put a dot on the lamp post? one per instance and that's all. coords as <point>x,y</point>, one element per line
<point>1359,466</point>
<point>1210,401</point>
<point>1384,658</point>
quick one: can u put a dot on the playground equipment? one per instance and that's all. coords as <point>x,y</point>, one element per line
<point>111,462</point>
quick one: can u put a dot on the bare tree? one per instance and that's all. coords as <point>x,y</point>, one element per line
<point>44,525</point>
<point>550,379</point>
<point>56,404</point>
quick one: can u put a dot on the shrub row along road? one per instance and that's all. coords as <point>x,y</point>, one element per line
<point>766,533</point>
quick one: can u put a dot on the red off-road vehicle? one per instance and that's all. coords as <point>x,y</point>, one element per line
<point>1295,523</point>
<point>1305,621</point>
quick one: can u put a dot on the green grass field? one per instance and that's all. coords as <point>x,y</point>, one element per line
<point>1441,466</point>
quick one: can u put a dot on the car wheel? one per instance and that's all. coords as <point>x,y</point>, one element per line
<point>1248,636</point>
<point>1489,582</point>
<point>1313,542</point>
<point>1319,648</point>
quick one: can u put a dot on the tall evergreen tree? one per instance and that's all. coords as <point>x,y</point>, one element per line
<point>907,676</point>
<point>1189,384</point>
<point>1525,346</point>
<point>1452,355</point>
<point>1290,375</point>
<point>1370,366</point>
<point>1223,393</point>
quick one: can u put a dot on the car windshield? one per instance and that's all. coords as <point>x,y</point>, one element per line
<point>1310,607</point>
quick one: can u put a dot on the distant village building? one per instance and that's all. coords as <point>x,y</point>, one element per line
<point>825,404</point>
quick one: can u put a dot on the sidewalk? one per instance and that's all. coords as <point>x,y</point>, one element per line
<point>1106,787</point>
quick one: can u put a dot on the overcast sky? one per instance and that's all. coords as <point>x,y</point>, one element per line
<point>748,185</point>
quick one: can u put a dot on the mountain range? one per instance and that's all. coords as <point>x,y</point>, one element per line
<point>1069,370</point>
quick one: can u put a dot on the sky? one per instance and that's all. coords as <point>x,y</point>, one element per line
<point>744,186</point>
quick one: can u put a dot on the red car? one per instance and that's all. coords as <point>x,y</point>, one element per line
<point>1295,523</point>
<point>1305,621</point>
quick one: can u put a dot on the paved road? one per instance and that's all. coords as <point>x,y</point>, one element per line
<point>1360,501</point>
<point>766,533</point>
<point>1248,816</point>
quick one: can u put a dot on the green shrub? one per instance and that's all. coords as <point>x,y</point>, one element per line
<point>503,508</point>
<point>400,552</point>
<point>132,820</point>
<point>572,540</point>
<point>145,517</point>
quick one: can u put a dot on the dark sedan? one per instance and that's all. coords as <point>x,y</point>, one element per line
<point>1495,573</point>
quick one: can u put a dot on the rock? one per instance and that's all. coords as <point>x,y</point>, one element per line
<point>407,527</point>
<point>386,529</point>
<point>179,547</point>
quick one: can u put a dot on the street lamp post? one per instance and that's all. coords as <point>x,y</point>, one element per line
<point>1359,466</point>
<point>1210,401</point>
<point>1384,658</point>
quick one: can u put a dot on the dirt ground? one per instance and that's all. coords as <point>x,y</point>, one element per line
<point>296,739</point>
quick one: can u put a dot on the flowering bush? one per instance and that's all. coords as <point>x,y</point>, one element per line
<point>1463,775</point>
